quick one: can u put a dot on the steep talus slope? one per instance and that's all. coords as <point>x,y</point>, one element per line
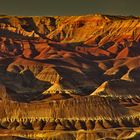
<point>97,108</point>
<point>91,113</point>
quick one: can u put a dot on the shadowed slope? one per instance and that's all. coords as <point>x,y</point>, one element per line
<point>118,88</point>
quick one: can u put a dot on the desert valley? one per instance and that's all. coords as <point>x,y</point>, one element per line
<point>70,77</point>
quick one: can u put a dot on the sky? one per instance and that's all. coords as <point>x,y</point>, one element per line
<point>69,7</point>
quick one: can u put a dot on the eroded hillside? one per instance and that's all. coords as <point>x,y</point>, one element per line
<point>68,74</point>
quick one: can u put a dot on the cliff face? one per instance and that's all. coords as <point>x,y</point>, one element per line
<point>95,108</point>
<point>50,65</point>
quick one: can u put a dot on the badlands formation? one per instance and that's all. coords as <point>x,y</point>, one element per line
<point>70,78</point>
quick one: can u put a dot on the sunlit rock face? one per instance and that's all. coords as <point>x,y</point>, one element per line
<point>70,77</point>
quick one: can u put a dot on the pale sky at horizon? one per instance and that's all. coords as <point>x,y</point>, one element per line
<point>69,7</point>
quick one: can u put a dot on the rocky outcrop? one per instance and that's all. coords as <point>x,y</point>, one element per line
<point>58,87</point>
<point>132,75</point>
<point>118,88</point>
